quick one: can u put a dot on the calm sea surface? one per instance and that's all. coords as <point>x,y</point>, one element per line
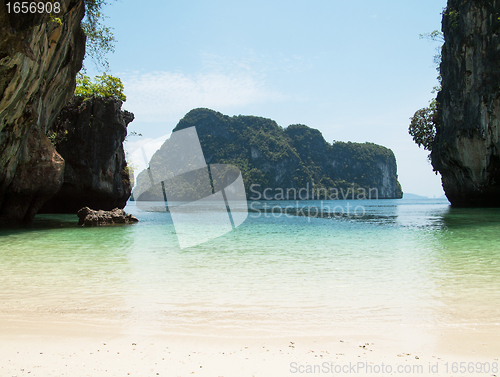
<point>413,262</point>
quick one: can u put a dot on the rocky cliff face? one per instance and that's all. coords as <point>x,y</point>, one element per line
<point>89,134</point>
<point>466,149</point>
<point>342,165</point>
<point>39,59</point>
<point>277,159</point>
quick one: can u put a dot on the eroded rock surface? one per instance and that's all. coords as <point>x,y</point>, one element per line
<point>39,59</point>
<point>89,135</point>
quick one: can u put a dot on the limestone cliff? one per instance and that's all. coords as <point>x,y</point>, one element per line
<point>274,158</point>
<point>340,164</point>
<point>39,59</point>
<point>89,134</point>
<point>466,150</point>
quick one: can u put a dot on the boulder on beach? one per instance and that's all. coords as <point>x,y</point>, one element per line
<point>90,217</point>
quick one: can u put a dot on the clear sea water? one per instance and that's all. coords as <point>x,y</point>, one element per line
<point>409,262</point>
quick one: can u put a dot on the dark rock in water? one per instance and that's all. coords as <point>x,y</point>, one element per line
<point>39,60</point>
<point>89,135</point>
<point>466,150</point>
<point>90,217</point>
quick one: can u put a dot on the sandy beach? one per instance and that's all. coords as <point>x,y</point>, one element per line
<point>65,348</point>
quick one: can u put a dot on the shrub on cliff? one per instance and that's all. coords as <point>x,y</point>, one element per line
<point>423,126</point>
<point>424,122</point>
<point>105,86</point>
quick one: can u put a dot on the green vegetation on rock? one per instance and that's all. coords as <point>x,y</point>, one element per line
<point>105,86</point>
<point>423,126</point>
<point>424,122</point>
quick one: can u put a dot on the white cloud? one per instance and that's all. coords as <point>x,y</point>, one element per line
<point>167,96</point>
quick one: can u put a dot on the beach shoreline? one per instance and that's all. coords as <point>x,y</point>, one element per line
<point>58,348</point>
<point>414,285</point>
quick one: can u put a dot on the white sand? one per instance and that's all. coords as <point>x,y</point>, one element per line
<point>44,348</point>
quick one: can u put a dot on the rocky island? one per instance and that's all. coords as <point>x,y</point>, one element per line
<point>285,159</point>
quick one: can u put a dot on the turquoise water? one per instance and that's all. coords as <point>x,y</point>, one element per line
<point>410,262</point>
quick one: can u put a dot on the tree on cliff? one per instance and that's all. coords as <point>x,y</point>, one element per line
<point>423,126</point>
<point>100,38</point>
<point>424,122</point>
<point>100,41</point>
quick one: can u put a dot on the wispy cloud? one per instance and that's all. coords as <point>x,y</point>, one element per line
<point>260,65</point>
<point>167,96</point>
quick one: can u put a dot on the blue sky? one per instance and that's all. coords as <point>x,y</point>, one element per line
<point>356,70</point>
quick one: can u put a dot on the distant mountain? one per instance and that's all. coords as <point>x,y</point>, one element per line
<point>413,196</point>
<point>276,163</point>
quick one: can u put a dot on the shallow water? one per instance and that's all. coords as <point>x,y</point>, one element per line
<point>409,262</point>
